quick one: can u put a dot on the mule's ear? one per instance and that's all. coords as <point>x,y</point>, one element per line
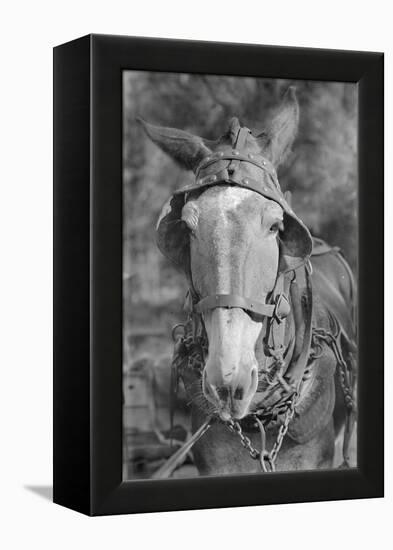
<point>186,149</point>
<point>276,141</point>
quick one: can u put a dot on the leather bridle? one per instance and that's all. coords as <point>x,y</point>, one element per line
<point>287,296</point>
<point>279,307</point>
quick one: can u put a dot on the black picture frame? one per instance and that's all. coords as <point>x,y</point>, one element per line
<point>88,274</point>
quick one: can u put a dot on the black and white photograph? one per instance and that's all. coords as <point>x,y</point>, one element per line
<point>240,268</point>
<point>196,275</point>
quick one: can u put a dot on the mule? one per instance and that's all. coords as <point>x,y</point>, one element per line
<point>262,307</point>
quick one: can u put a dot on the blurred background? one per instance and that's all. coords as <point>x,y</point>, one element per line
<point>321,173</point>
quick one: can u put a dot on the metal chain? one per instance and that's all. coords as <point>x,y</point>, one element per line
<point>282,432</point>
<point>235,427</point>
<point>192,350</point>
<point>266,459</point>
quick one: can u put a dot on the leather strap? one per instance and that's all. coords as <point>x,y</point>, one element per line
<point>241,139</point>
<point>298,316</point>
<point>234,301</point>
<point>233,157</point>
<point>240,143</point>
<point>276,333</point>
<point>177,458</point>
<point>298,365</point>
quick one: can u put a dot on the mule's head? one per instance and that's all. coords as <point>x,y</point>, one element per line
<point>233,248</point>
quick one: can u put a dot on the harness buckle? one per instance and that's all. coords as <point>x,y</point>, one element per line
<point>282,308</point>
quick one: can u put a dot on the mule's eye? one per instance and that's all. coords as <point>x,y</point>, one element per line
<point>276,227</point>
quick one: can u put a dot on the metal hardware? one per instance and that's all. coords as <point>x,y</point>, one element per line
<point>267,459</point>
<point>347,377</point>
<point>282,308</point>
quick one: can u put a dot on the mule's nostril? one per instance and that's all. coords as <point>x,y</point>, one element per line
<point>238,393</point>
<point>223,393</point>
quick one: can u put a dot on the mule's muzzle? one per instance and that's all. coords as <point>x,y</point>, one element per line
<point>231,398</point>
